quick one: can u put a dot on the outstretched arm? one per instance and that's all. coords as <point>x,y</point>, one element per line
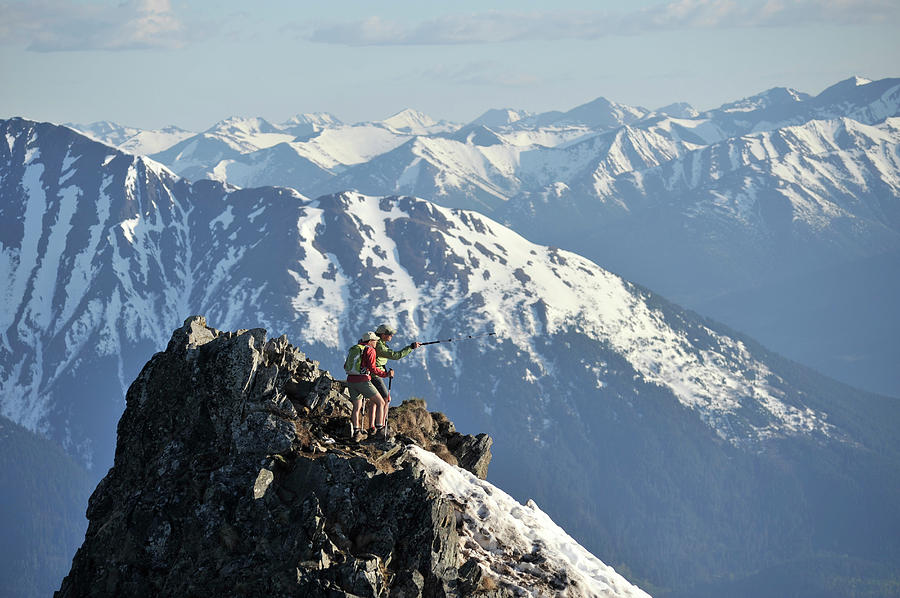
<point>384,351</point>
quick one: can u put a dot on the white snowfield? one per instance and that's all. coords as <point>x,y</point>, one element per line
<point>497,530</point>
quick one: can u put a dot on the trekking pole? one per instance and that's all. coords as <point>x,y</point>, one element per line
<point>387,407</point>
<point>461,338</point>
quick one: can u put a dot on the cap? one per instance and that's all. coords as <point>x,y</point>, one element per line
<point>385,329</point>
<point>369,336</point>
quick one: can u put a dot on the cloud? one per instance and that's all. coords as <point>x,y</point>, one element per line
<point>509,26</point>
<point>699,14</point>
<point>64,25</point>
<point>479,74</point>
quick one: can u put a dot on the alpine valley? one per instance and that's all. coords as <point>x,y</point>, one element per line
<point>681,452</point>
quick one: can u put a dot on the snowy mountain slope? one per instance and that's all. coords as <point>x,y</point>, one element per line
<point>740,211</point>
<point>145,143</point>
<point>598,114</point>
<point>475,171</point>
<point>600,158</point>
<point>833,162</point>
<point>413,122</point>
<point>70,212</point>
<point>210,153</point>
<point>480,168</point>
<point>283,165</point>
<point>496,527</point>
<point>866,101</point>
<point>132,140</point>
<point>519,290</point>
<point>601,114</point>
<point>338,147</point>
<point>678,110</point>
<point>105,132</point>
<point>777,96</point>
<point>196,156</point>
<point>305,155</point>
<point>305,124</point>
<point>597,392</point>
<point>498,117</point>
<point>248,134</point>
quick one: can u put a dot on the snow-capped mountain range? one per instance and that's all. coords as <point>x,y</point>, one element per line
<point>103,253</point>
<point>699,206</point>
<point>536,151</point>
<point>121,255</point>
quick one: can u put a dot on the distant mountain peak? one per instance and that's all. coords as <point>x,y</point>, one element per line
<point>679,110</point>
<point>413,122</point>
<point>132,140</point>
<point>498,117</point>
<point>855,81</point>
<point>242,124</point>
<point>409,119</point>
<point>313,118</point>
<point>604,113</point>
<point>767,99</point>
<point>845,86</point>
<point>479,135</point>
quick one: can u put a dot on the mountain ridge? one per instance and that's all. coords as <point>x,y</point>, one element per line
<point>287,492</point>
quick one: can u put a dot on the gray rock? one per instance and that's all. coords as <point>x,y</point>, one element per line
<point>472,453</point>
<point>224,484</point>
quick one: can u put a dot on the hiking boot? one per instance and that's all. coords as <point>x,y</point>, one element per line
<point>358,436</point>
<point>383,441</point>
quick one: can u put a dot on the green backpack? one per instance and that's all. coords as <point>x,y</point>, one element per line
<point>353,363</point>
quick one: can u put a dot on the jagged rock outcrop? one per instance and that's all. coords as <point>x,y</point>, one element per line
<point>233,477</point>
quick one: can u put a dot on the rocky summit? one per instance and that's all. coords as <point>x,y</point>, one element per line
<point>235,475</point>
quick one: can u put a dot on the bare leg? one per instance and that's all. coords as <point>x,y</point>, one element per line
<point>379,412</point>
<point>376,406</point>
<point>356,413</point>
<point>387,402</point>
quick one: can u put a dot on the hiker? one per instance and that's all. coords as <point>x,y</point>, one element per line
<point>360,365</point>
<point>383,352</point>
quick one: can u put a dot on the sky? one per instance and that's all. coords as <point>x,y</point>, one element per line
<point>154,63</point>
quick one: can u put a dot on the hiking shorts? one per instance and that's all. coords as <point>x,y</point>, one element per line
<point>361,390</point>
<point>380,386</point>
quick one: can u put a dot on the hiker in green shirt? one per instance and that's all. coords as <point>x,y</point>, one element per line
<point>362,371</point>
<point>382,353</point>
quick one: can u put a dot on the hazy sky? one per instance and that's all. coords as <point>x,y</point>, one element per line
<point>150,63</point>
